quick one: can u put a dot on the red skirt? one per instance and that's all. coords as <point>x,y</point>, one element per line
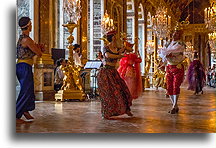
<point>174,78</point>
<point>114,93</point>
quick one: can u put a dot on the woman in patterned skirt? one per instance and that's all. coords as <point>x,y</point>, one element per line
<point>114,93</point>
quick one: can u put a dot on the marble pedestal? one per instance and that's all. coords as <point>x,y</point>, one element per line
<point>44,79</point>
<point>63,95</point>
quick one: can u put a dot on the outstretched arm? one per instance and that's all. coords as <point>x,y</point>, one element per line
<point>113,56</point>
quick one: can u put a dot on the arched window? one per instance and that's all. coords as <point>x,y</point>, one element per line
<point>149,27</point>
<point>130,21</point>
<point>95,14</point>
<point>141,36</point>
<point>150,39</point>
<point>62,31</point>
<point>25,8</point>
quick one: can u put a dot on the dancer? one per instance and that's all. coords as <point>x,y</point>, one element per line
<point>114,93</point>
<point>196,75</point>
<point>26,50</point>
<point>172,53</point>
<point>129,71</point>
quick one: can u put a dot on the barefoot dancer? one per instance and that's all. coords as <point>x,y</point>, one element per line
<point>26,50</point>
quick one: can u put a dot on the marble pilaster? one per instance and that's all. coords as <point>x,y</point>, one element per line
<point>44,66</point>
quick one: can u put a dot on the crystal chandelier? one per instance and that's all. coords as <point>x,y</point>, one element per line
<point>73,9</point>
<point>107,24</point>
<point>161,23</point>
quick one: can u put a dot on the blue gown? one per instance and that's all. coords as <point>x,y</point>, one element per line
<point>26,99</point>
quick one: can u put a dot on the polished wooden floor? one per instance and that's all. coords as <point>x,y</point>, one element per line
<point>197,115</point>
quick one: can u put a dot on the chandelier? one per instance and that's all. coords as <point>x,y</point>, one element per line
<point>209,14</point>
<point>161,23</point>
<point>107,24</point>
<point>73,9</point>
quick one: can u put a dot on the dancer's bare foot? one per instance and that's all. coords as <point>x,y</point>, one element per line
<point>129,113</point>
<point>107,118</point>
<point>28,116</point>
<point>20,121</point>
<point>156,90</point>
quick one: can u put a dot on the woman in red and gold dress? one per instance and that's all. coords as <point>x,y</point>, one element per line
<point>114,93</point>
<point>173,54</point>
<point>129,71</point>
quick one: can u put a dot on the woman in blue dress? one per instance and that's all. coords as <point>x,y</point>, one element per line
<point>26,50</point>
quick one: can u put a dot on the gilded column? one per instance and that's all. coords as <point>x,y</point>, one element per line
<point>203,51</point>
<point>125,16</point>
<point>136,6</point>
<point>43,67</point>
<point>145,35</point>
<point>84,31</point>
<point>155,51</point>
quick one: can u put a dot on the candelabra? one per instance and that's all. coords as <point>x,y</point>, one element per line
<point>212,41</point>
<point>189,50</point>
<point>72,87</point>
<point>209,14</point>
<point>107,24</point>
<point>161,23</point>
<point>150,47</point>
<point>210,21</point>
<point>148,61</point>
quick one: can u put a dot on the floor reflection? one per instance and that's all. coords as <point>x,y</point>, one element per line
<point>197,115</point>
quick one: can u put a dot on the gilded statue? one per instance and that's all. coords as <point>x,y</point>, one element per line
<point>147,68</point>
<point>71,78</point>
<point>159,74</point>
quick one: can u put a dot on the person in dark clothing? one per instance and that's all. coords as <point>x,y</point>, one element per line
<point>196,75</point>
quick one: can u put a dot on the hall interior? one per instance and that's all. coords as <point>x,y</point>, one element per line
<point>146,23</point>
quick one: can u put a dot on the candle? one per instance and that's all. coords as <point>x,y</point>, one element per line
<point>205,13</point>
<point>111,22</point>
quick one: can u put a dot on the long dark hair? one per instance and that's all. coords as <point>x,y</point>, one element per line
<point>196,56</point>
<point>23,21</point>
<point>109,37</point>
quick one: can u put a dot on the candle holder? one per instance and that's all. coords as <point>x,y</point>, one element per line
<point>72,86</point>
<point>209,14</point>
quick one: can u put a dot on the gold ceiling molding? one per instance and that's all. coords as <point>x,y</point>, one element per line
<point>212,1</point>
<point>156,3</point>
<point>196,28</point>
